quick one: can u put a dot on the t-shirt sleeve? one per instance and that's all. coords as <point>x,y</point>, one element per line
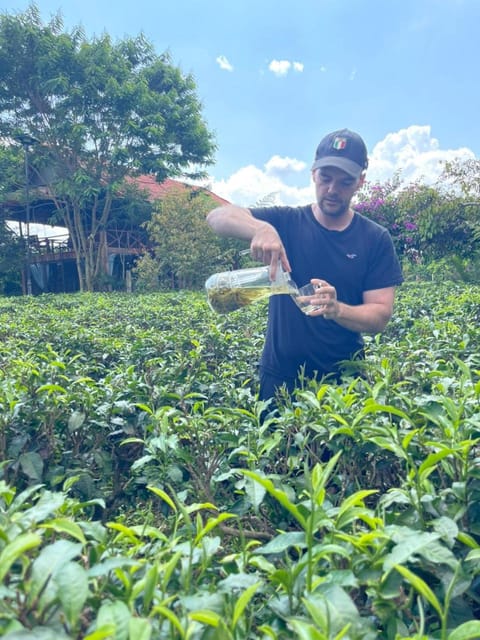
<point>277,216</point>
<point>385,270</point>
<point>267,214</point>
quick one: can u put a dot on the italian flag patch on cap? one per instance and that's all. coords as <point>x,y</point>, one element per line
<point>339,143</point>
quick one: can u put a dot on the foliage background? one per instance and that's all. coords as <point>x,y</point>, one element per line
<point>133,455</point>
<point>91,112</point>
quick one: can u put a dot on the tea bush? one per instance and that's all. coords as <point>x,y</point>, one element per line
<point>142,497</point>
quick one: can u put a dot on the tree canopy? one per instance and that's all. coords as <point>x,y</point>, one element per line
<point>184,249</point>
<point>96,111</point>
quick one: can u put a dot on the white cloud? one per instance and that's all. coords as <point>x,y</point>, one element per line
<point>278,166</point>
<point>282,67</point>
<point>224,64</point>
<point>279,67</point>
<point>412,151</point>
<point>414,154</point>
<point>250,184</point>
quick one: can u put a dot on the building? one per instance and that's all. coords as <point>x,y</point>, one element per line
<point>51,260</point>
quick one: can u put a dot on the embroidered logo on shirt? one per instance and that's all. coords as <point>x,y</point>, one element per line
<point>352,256</point>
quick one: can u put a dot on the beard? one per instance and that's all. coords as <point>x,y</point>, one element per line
<point>333,207</point>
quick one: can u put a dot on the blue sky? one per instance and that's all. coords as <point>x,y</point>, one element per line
<point>275,76</point>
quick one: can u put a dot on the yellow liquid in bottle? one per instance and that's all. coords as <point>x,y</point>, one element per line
<point>226,299</point>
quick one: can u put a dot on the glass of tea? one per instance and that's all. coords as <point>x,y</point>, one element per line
<point>303,298</point>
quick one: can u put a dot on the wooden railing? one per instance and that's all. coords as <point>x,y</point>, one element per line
<point>57,248</point>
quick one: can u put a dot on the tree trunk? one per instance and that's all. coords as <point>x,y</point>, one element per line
<point>89,244</point>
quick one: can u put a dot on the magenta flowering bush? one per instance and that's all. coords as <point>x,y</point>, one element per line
<point>381,203</point>
<point>425,222</point>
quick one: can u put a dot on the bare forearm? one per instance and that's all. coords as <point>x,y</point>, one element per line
<point>364,318</point>
<point>234,221</point>
<point>265,243</point>
<point>371,316</point>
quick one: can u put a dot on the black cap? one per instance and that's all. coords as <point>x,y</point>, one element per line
<point>343,149</point>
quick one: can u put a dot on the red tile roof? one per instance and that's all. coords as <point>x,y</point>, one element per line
<point>158,190</point>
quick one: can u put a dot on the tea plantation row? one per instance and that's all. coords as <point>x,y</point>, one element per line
<point>141,497</point>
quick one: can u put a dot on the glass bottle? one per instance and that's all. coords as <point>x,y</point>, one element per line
<point>231,290</point>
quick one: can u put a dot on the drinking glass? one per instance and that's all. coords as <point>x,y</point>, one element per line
<point>303,298</point>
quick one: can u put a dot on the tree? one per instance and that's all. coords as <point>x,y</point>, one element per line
<point>465,175</point>
<point>11,170</point>
<point>11,261</point>
<point>99,111</point>
<point>185,250</point>
<point>12,248</point>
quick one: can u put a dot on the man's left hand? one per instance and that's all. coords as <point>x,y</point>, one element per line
<point>326,299</point>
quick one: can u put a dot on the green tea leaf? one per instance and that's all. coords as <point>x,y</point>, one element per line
<point>171,617</point>
<point>373,407</point>
<point>432,459</point>
<point>467,540</point>
<point>279,495</point>
<point>282,542</point>
<point>124,531</point>
<point>473,555</point>
<point>467,631</point>
<point>32,465</point>
<point>421,587</point>
<point>165,497</point>
<point>76,420</point>
<point>63,525</point>
<point>105,632</point>
<point>305,630</point>
<point>47,505</point>
<point>116,614</point>
<point>139,629</point>
<point>414,542</point>
<point>206,617</point>
<point>72,590</point>
<point>52,388</point>
<point>254,492</point>
<point>51,560</point>
<point>23,543</point>
<point>243,601</point>
<point>211,524</point>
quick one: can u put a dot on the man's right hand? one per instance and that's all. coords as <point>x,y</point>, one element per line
<point>267,247</point>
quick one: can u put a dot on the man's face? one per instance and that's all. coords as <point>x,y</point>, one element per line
<point>334,190</point>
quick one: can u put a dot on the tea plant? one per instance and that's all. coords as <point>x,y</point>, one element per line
<point>143,496</point>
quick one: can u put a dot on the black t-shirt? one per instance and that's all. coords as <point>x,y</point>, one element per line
<point>359,258</point>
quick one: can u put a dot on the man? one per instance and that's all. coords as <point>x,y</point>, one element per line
<point>349,259</point>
